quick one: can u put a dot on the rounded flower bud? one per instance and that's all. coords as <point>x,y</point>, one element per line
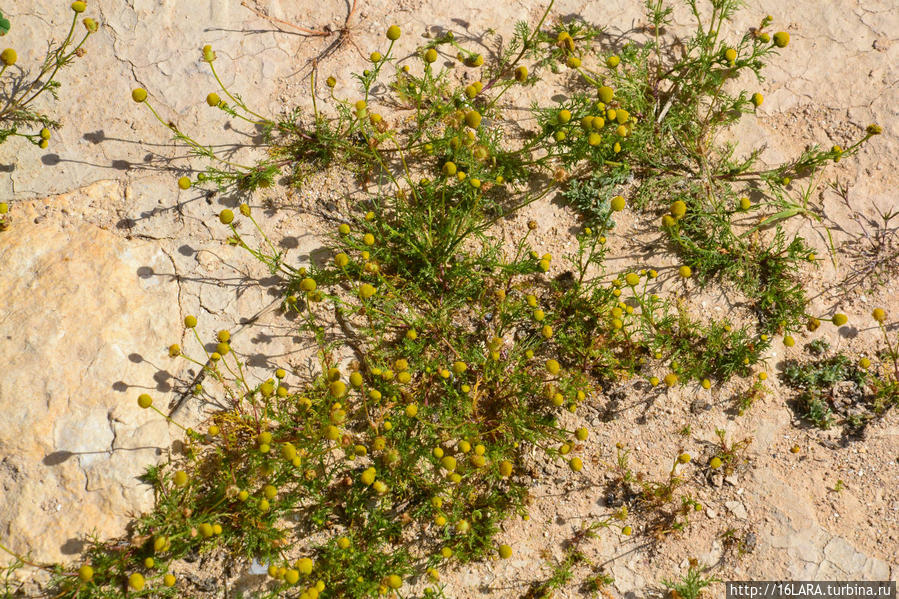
<point>606,94</point>
<point>85,573</point>
<point>136,580</point>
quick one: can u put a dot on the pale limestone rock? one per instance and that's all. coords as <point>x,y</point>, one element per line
<point>82,335</point>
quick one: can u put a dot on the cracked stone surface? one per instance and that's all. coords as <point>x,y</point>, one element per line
<point>808,550</point>
<point>71,439</point>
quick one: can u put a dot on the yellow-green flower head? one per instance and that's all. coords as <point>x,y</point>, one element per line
<point>678,209</point>
<point>473,119</point>
<point>85,573</point>
<point>366,290</point>
<point>144,401</point>
<point>781,39</point>
<point>180,478</point>
<point>184,183</point>
<point>685,271</point>
<point>393,581</point>
<point>564,40</point>
<point>139,95</point>
<point>356,379</point>
<point>505,552</point>
<point>606,94</point>
<point>337,389</point>
<point>79,6</point>
<point>613,61</point>
<point>375,57</point>
<point>573,62</point>
<point>430,55</point>
<point>521,74</point>
<point>90,25</point>
<point>879,315</point>
<point>213,99</point>
<point>304,565</point>
<point>757,99</point>
<point>730,55</point>
<point>136,580</point>
<point>874,129</point>
<point>617,203</point>
<point>208,53</point>
<point>394,33</point>
<point>226,216</point>
<point>839,319</point>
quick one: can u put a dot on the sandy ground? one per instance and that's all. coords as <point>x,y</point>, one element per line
<point>839,73</point>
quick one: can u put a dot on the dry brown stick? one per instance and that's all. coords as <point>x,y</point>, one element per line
<point>262,15</point>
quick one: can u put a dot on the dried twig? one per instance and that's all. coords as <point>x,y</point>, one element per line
<point>262,15</point>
